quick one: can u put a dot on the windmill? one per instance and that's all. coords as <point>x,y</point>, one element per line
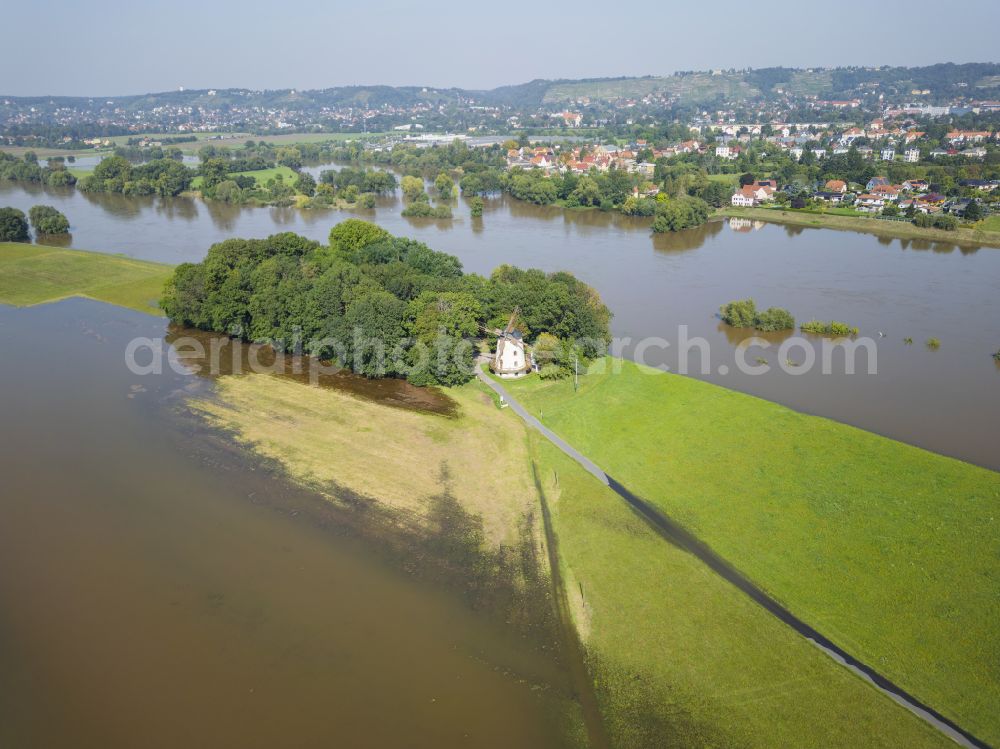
<point>510,359</point>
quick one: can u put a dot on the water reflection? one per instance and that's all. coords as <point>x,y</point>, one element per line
<point>739,337</point>
<point>184,209</point>
<point>689,239</point>
<point>214,355</point>
<point>55,240</point>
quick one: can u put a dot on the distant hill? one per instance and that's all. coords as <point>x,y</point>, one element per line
<point>940,82</point>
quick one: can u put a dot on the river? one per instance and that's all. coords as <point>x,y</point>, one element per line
<point>159,588</point>
<point>943,399</point>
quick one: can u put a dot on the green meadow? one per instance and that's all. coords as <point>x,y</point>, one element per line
<point>675,651</point>
<point>261,175</point>
<point>891,551</point>
<point>34,274</point>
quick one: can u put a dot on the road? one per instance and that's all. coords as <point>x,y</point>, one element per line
<point>684,539</point>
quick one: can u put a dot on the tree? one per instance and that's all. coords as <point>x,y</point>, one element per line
<point>457,314</point>
<point>444,186</point>
<point>376,320</point>
<point>213,171</point>
<point>587,192</point>
<point>747,179</point>
<point>679,213</point>
<point>973,211</point>
<point>476,207</point>
<point>47,220</point>
<point>305,183</point>
<point>413,187</point>
<point>716,194</point>
<point>351,235</point>
<point>13,225</point>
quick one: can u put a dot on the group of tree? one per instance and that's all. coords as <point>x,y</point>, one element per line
<point>48,220</point>
<point>45,219</point>
<point>27,169</point>
<point>115,174</point>
<point>381,305</point>
<point>419,200</point>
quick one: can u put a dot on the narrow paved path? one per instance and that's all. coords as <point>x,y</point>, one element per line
<point>684,539</point>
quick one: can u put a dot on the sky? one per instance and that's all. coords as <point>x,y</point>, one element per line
<point>115,47</point>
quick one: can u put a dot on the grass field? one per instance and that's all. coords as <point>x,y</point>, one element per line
<point>676,651</point>
<point>34,274</point>
<point>726,179</point>
<point>988,236</point>
<point>991,223</point>
<point>673,650</point>
<point>261,175</point>
<point>396,456</point>
<point>889,550</point>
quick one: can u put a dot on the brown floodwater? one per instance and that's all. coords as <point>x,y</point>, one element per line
<point>946,400</point>
<point>214,355</point>
<point>159,589</point>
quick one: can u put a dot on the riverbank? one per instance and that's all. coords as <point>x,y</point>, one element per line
<point>36,274</point>
<point>887,549</point>
<point>898,229</point>
<point>673,650</point>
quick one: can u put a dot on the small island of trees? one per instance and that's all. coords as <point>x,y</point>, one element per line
<point>46,220</point>
<point>381,305</point>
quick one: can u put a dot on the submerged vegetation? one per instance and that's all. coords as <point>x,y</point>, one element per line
<point>381,305</point>
<point>13,225</point>
<point>47,220</point>
<point>743,314</point>
<point>832,328</point>
<point>27,169</point>
<point>423,209</point>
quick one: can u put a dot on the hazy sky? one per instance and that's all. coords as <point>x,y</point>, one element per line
<point>109,47</point>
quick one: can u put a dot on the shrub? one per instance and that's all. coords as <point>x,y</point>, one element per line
<point>61,178</point>
<point>13,225</point>
<point>552,372</point>
<point>774,318</point>
<point>997,355</point>
<point>828,328</point>
<point>412,186</point>
<point>420,209</point>
<point>945,222</point>
<point>476,207</point>
<point>367,200</point>
<point>933,343</point>
<point>739,314</point>
<point>47,220</point>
